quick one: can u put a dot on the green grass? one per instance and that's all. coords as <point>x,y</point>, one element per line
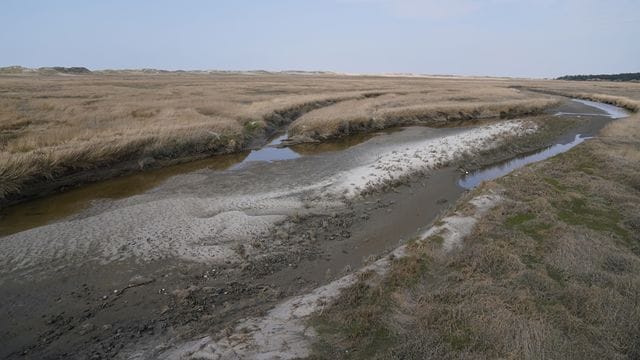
<point>358,319</point>
<point>526,224</point>
<point>519,219</point>
<point>556,274</point>
<point>531,261</point>
<point>355,321</point>
<point>436,239</point>
<point>460,338</point>
<point>252,126</point>
<point>555,183</point>
<point>578,212</point>
<point>537,231</point>
<point>407,271</point>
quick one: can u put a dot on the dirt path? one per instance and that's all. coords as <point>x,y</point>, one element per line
<point>207,248</point>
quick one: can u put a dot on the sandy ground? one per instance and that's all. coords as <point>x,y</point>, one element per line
<point>207,224</point>
<point>208,248</point>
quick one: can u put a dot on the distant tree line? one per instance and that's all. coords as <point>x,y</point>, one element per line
<point>607,77</point>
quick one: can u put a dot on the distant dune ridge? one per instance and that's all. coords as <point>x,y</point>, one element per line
<point>80,70</point>
<point>76,70</point>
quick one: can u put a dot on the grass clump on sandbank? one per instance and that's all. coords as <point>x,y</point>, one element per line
<point>435,108</point>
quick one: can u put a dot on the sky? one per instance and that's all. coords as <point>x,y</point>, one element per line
<point>523,38</point>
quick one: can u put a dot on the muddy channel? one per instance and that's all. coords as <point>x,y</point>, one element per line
<point>117,267</point>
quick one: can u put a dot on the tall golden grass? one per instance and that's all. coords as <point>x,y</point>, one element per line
<point>434,108</point>
<point>626,95</point>
<point>54,126</point>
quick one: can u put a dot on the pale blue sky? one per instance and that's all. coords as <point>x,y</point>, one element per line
<point>541,38</point>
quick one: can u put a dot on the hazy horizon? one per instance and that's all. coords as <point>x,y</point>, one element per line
<point>515,38</point>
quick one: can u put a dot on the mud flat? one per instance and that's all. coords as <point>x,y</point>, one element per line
<point>204,249</point>
<point>285,331</point>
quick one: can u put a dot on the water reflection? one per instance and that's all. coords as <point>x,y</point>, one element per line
<point>46,210</point>
<point>493,172</point>
<point>611,111</point>
<point>270,152</point>
<point>338,144</point>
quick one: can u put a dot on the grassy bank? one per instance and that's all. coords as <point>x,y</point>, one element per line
<point>60,130</point>
<point>553,271</point>
<point>431,108</point>
<point>623,95</point>
<point>52,128</point>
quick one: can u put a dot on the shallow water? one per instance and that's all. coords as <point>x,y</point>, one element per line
<point>270,152</point>
<point>613,112</point>
<point>59,206</point>
<point>495,171</point>
<point>43,211</point>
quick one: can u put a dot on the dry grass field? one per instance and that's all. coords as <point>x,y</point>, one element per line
<point>550,273</point>
<point>626,95</point>
<point>439,104</point>
<point>55,126</point>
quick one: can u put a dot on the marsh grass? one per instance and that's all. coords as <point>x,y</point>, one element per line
<point>52,127</point>
<point>436,108</point>
<point>626,95</point>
